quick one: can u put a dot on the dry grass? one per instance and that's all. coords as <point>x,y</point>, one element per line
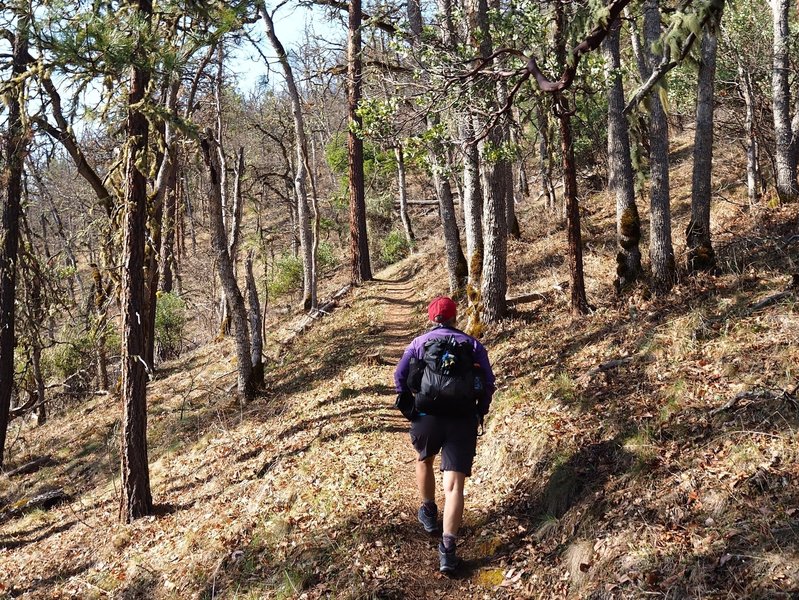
<point>619,485</point>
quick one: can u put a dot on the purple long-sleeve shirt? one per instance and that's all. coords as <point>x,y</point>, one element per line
<point>416,349</point>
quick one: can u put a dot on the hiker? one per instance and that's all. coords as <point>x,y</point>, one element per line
<point>444,386</point>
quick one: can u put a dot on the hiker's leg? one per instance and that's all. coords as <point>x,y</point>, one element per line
<point>453,501</point>
<point>426,479</point>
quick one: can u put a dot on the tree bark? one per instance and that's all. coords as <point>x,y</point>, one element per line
<point>361,269</point>
<point>403,195</point>
<point>16,143</point>
<point>661,251</point>
<point>753,177</point>
<point>245,385</point>
<point>699,246</point>
<point>256,324</point>
<point>510,207</point>
<point>168,235</point>
<point>457,268</point>
<point>439,163</point>
<point>472,202</point>
<point>785,145</point>
<point>545,162</point>
<point>308,240</point>
<point>497,186</point>
<point>136,499</point>
<point>579,302</point>
<point>620,170</point>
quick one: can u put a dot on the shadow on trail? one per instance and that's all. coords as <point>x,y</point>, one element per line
<point>20,538</point>
<point>46,582</point>
<point>376,553</point>
<point>331,418</point>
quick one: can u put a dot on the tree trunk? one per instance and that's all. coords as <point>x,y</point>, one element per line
<point>361,269</point>
<point>237,210</point>
<point>457,268</point>
<point>152,251</point>
<point>785,146</point>
<point>661,251</point>
<point>497,186</point>
<point>701,256</point>
<point>510,207</point>
<point>38,378</point>
<point>620,170</point>
<point>439,166</point>
<point>753,178</point>
<point>403,195</point>
<point>579,302</point>
<point>472,201</point>
<point>254,314</point>
<point>100,320</point>
<point>545,162</point>
<point>224,264</point>
<point>136,499</point>
<point>168,235</point>
<point>308,240</point>
<point>14,159</point>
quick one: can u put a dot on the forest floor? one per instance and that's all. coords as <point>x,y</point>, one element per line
<point>647,450</point>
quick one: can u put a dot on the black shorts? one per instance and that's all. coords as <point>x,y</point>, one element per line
<point>454,437</point>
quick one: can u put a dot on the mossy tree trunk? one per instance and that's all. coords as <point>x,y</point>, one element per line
<point>699,245</point>
<point>620,170</point>
<point>661,250</point>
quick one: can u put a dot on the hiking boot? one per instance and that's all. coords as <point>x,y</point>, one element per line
<point>447,559</point>
<point>428,518</point>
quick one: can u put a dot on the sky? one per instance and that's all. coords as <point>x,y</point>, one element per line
<point>291,25</point>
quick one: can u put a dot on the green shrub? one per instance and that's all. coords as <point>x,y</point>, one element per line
<point>379,208</point>
<point>170,321</point>
<point>394,247</point>
<point>287,274</point>
<point>325,258</point>
<point>73,361</point>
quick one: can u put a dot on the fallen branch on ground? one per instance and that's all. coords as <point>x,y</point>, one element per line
<point>536,296</point>
<point>42,501</point>
<point>610,365</point>
<point>770,300</point>
<point>318,313</point>
<point>32,466</point>
<point>757,394</point>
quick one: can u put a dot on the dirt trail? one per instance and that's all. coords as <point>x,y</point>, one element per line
<point>416,563</point>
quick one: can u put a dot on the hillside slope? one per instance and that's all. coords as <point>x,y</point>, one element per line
<point>646,450</point>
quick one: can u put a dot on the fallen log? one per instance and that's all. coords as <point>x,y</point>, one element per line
<point>610,365</point>
<point>44,501</point>
<point>536,296</point>
<point>318,313</point>
<point>32,466</point>
<point>757,394</point>
<point>770,300</point>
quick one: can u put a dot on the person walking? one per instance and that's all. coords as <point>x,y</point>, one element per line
<point>444,385</point>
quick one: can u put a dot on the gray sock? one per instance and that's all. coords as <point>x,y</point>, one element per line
<point>448,540</point>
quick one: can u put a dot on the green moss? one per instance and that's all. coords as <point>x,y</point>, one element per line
<point>630,228</point>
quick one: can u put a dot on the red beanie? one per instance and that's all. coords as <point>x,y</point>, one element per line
<point>442,309</point>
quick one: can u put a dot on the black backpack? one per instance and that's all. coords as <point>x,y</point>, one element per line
<point>448,380</point>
